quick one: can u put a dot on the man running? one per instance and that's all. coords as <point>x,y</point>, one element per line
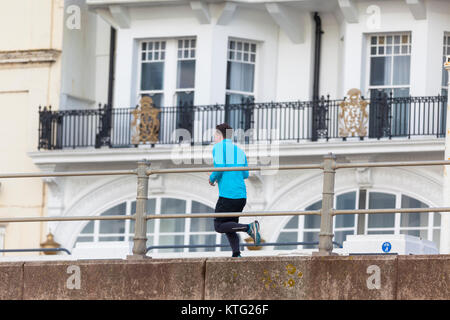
<point>232,190</point>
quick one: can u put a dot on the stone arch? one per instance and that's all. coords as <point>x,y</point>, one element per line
<point>94,202</point>
<point>427,187</point>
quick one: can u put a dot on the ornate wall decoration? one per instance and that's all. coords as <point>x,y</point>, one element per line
<point>145,123</point>
<point>353,115</point>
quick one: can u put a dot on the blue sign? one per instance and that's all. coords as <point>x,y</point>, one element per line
<point>386,247</point>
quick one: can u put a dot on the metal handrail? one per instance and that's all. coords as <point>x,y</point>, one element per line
<point>265,244</point>
<point>328,166</point>
<point>36,250</point>
<point>210,169</point>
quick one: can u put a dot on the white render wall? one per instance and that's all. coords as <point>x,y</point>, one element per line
<point>85,59</point>
<point>284,69</point>
<point>395,16</point>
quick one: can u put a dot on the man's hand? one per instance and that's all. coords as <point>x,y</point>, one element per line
<point>211,183</point>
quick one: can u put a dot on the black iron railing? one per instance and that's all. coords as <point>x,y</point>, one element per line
<point>294,121</point>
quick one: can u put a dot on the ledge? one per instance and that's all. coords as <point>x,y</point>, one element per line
<point>197,153</point>
<point>29,56</point>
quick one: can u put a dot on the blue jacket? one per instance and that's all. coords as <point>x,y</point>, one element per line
<point>231,183</point>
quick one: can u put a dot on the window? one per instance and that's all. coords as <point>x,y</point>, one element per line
<point>157,59</point>
<point>446,51</point>
<point>153,55</point>
<point>389,73</point>
<point>306,228</point>
<point>390,59</point>
<point>240,83</point>
<point>185,72</point>
<point>159,231</point>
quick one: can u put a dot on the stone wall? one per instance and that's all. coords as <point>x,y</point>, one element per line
<point>368,277</point>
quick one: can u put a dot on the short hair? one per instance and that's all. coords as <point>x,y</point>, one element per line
<point>225,130</point>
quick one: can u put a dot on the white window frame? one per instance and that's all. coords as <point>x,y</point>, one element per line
<point>128,236</point>
<point>397,218</point>
<point>397,228</point>
<point>256,64</point>
<point>445,51</point>
<point>369,55</point>
<point>170,71</point>
<point>190,57</point>
<point>301,226</point>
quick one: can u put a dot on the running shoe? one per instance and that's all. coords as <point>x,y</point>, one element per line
<point>253,231</point>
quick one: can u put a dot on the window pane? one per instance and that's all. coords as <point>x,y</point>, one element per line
<point>186,74</point>
<point>286,237</point>
<point>236,99</point>
<point>381,232</point>
<point>313,221</point>
<point>113,226</point>
<point>89,228</point>
<point>111,238</point>
<point>240,76</point>
<point>400,92</point>
<point>172,206</point>
<point>185,99</point>
<point>437,237</point>
<point>201,240</point>
<point>151,209</point>
<point>380,71</point>
<point>170,241</point>
<point>401,70</point>
<point>152,76</point>
<point>341,236</point>
<point>437,219</point>
<point>343,202</point>
<point>416,233</point>
<point>378,200</point>
<point>310,237</point>
<point>201,224</point>
<point>85,239</point>
<point>413,219</point>
<point>292,223</point>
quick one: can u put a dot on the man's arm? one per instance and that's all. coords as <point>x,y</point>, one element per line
<point>216,175</point>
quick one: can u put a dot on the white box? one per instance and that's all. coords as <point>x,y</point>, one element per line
<point>102,250</point>
<point>388,244</point>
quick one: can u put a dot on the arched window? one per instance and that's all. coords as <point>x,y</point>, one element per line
<point>159,231</point>
<point>306,228</point>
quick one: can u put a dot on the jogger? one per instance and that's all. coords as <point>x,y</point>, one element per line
<point>232,189</point>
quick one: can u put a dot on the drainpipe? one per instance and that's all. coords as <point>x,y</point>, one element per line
<point>112,49</point>
<point>112,60</point>
<point>316,79</point>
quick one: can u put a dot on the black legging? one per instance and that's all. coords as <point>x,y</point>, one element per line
<point>230,225</point>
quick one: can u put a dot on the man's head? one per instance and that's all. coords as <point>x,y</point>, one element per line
<point>223,131</point>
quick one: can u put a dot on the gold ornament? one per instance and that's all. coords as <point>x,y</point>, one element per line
<point>353,116</point>
<point>145,122</point>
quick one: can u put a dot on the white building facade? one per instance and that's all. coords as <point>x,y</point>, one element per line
<point>258,65</point>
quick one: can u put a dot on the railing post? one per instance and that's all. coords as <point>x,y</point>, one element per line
<point>140,223</point>
<point>326,218</point>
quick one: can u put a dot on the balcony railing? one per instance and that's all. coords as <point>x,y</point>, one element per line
<point>381,117</point>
